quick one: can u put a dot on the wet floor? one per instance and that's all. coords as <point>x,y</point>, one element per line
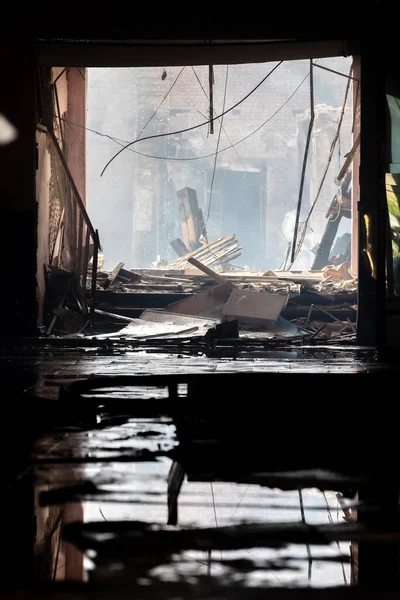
<point>108,471</point>
<point>109,489</point>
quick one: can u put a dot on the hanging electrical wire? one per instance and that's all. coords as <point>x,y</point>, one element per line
<point>218,141</point>
<point>305,159</point>
<point>161,103</point>
<point>121,142</point>
<point>211,90</point>
<point>150,137</point>
<point>331,151</point>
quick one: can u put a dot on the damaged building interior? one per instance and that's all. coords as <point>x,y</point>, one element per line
<point>201,280</point>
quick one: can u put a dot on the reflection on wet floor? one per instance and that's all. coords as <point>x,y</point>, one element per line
<point>201,506</point>
<point>137,492</point>
<point>95,463</point>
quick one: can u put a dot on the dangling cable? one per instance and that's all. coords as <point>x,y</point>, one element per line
<point>332,148</point>
<point>150,137</point>
<point>218,140</point>
<point>305,158</point>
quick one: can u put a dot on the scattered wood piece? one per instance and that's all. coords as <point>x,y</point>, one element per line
<point>316,332</point>
<point>218,251</point>
<point>131,276</point>
<point>196,263</point>
<point>315,307</point>
<point>166,278</point>
<point>203,301</point>
<point>159,272</point>
<point>256,305</point>
<point>113,315</point>
<point>186,331</point>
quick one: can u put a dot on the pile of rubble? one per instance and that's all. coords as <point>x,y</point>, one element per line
<point>196,300</point>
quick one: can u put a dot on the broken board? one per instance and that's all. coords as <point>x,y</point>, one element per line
<point>203,302</point>
<point>255,305</point>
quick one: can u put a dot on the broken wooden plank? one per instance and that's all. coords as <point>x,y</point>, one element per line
<point>203,302</point>
<point>167,278</point>
<point>326,312</point>
<point>218,251</point>
<point>128,275</point>
<point>158,272</point>
<point>113,315</point>
<point>196,263</point>
<point>255,305</point>
<point>318,331</point>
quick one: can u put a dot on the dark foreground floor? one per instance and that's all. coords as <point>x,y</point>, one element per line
<point>241,448</point>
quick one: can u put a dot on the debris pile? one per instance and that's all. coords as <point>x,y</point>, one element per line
<point>203,294</point>
<point>188,298</point>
